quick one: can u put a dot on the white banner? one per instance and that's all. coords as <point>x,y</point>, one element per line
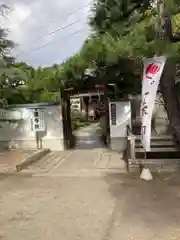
<point>153,68</point>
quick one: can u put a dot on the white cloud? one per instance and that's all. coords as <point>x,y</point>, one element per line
<point>19,14</point>
<point>31,22</point>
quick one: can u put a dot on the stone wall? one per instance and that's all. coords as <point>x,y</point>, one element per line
<point>160,124</point>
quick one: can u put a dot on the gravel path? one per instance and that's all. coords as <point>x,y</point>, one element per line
<point>113,207</point>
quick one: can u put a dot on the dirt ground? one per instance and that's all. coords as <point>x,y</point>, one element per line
<point>115,207</point>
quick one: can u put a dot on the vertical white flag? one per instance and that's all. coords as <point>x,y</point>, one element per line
<point>153,68</point>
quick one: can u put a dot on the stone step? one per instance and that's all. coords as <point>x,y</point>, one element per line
<point>156,138</point>
<point>156,165</point>
<point>155,168</point>
<point>159,144</point>
<point>158,153</point>
<point>161,161</point>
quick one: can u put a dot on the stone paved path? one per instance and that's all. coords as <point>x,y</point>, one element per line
<point>78,162</point>
<point>90,157</point>
<point>87,138</point>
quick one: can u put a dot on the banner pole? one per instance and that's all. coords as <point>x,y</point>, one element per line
<point>145,157</point>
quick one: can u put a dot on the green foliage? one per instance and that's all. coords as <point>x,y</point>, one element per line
<point>21,83</point>
<point>107,13</point>
<point>78,121</point>
<point>21,96</point>
<point>73,69</point>
<point>9,74</point>
<point>123,34</point>
<point>41,84</point>
<point>118,37</point>
<point>49,96</point>
<point>123,30</point>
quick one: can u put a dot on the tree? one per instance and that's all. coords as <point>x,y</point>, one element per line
<point>123,33</point>
<point>139,41</point>
<point>117,43</point>
<point>6,61</point>
<point>106,14</point>
<point>167,82</point>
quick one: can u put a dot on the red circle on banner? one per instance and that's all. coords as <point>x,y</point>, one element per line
<point>151,70</point>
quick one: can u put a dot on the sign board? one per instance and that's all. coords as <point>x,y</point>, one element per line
<point>38,122</point>
<point>113,113</point>
<point>120,117</point>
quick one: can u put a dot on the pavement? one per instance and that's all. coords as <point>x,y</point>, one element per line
<point>90,158</point>
<point>87,138</point>
<point>77,163</point>
<point>111,206</point>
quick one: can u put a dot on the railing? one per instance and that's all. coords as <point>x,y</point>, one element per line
<point>130,152</point>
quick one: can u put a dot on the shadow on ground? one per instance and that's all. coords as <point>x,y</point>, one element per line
<point>144,206</point>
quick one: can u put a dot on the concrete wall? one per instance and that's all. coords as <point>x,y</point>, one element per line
<point>16,130</point>
<point>126,111</point>
<point>118,128</point>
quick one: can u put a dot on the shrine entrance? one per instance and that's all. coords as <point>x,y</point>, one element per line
<point>71,137</point>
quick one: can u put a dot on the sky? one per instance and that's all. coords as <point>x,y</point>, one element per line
<point>47,31</point>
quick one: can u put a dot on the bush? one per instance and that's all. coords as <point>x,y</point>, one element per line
<point>48,96</point>
<point>78,120</point>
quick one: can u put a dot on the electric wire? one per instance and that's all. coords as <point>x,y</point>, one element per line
<point>49,43</point>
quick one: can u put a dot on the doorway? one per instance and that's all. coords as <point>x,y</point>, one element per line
<point>87,127</point>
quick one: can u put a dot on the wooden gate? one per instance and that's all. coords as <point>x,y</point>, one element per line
<point>66,119</point>
<point>69,140</point>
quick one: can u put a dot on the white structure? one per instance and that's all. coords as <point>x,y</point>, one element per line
<point>76,103</point>
<point>120,117</point>
<point>38,121</point>
<point>18,128</point>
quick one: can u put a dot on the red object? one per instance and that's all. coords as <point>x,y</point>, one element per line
<point>151,70</point>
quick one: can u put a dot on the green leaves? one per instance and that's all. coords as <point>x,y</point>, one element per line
<point>6,70</point>
<point>123,34</point>
<point>106,13</point>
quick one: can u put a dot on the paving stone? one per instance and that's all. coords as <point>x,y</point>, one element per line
<point>89,154</point>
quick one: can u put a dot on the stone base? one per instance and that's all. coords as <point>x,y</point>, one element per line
<point>118,144</point>
<point>53,144</point>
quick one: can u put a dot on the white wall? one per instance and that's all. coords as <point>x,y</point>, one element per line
<point>118,131</point>
<point>123,118</point>
<point>16,128</point>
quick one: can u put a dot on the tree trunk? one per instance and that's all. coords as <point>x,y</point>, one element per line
<point>169,93</point>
